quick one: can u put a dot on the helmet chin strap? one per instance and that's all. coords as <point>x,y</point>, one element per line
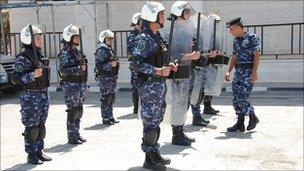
<point>160,24</point>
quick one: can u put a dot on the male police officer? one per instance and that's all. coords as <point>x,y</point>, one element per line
<point>73,71</point>
<point>245,60</point>
<point>148,54</point>
<point>107,70</point>
<point>179,86</point>
<point>31,72</point>
<point>136,23</point>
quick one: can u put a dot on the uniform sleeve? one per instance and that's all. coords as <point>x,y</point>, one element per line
<point>65,65</point>
<point>256,43</point>
<point>129,43</point>
<point>102,61</point>
<point>22,70</point>
<point>234,47</point>
<point>140,52</point>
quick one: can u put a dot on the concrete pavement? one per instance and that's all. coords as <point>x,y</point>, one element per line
<point>276,143</point>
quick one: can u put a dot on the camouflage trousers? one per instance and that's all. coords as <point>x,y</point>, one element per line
<point>107,87</point>
<point>153,107</point>
<point>74,95</point>
<point>241,90</point>
<point>196,109</point>
<point>34,112</point>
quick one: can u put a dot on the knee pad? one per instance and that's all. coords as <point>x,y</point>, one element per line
<point>42,131</point>
<point>150,136</point>
<point>111,99</point>
<point>31,133</point>
<point>72,114</point>
<point>80,112</point>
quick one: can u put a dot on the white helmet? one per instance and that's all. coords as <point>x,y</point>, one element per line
<point>150,11</point>
<point>70,31</point>
<point>179,6</point>
<point>135,18</point>
<point>104,34</point>
<point>25,34</point>
<point>214,17</point>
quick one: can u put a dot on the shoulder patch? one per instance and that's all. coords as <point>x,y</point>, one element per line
<point>141,45</point>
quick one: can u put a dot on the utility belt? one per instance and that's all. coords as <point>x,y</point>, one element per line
<point>40,83</point>
<point>145,78</point>
<point>113,72</point>
<point>219,59</point>
<point>74,79</point>
<point>183,71</point>
<point>244,65</point>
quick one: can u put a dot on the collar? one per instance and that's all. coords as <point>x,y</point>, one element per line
<point>104,45</point>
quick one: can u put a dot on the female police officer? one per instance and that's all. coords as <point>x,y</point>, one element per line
<point>32,74</point>
<point>149,64</point>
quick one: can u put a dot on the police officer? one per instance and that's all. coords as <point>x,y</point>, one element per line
<point>245,60</point>
<point>73,71</point>
<point>107,66</point>
<point>149,64</point>
<point>181,11</point>
<point>31,72</point>
<point>136,23</point>
<point>198,120</point>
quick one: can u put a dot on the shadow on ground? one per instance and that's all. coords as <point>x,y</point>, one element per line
<point>236,135</point>
<point>128,116</point>
<point>97,127</point>
<point>60,148</point>
<point>137,168</point>
<point>168,148</point>
<point>22,166</point>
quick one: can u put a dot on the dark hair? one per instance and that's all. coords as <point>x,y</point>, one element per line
<point>240,24</point>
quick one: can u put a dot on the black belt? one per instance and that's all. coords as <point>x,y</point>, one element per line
<point>74,79</point>
<point>145,78</point>
<point>244,65</point>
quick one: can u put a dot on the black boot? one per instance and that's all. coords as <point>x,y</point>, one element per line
<point>239,126</point>
<point>207,106</point>
<point>80,138</point>
<point>33,158</point>
<point>151,162</point>
<point>150,139</point>
<point>107,121</point>
<point>71,121</point>
<point>253,121</point>
<point>179,138</point>
<point>208,109</point>
<point>42,156</point>
<point>74,140</point>
<point>114,120</point>
<point>164,161</point>
<point>198,120</point>
<point>80,114</point>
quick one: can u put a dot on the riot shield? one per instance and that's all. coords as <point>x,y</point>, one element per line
<point>177,96</point>
<point>214,40</point>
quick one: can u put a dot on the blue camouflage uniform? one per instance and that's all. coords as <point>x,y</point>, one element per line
<point>107,79</point>
<point>74,85</point>
<point>243,49</point>
<point>130,44</point>
<point>152,90</point>
<point>34,98</point>
<point>134,76</point>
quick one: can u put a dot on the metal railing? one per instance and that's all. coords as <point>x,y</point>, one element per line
<point>120,43</point>
<point>14,45</point>
<point>273,40</point>
<point>277,32</point>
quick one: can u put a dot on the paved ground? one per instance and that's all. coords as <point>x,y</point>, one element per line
<point>277,142</point>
